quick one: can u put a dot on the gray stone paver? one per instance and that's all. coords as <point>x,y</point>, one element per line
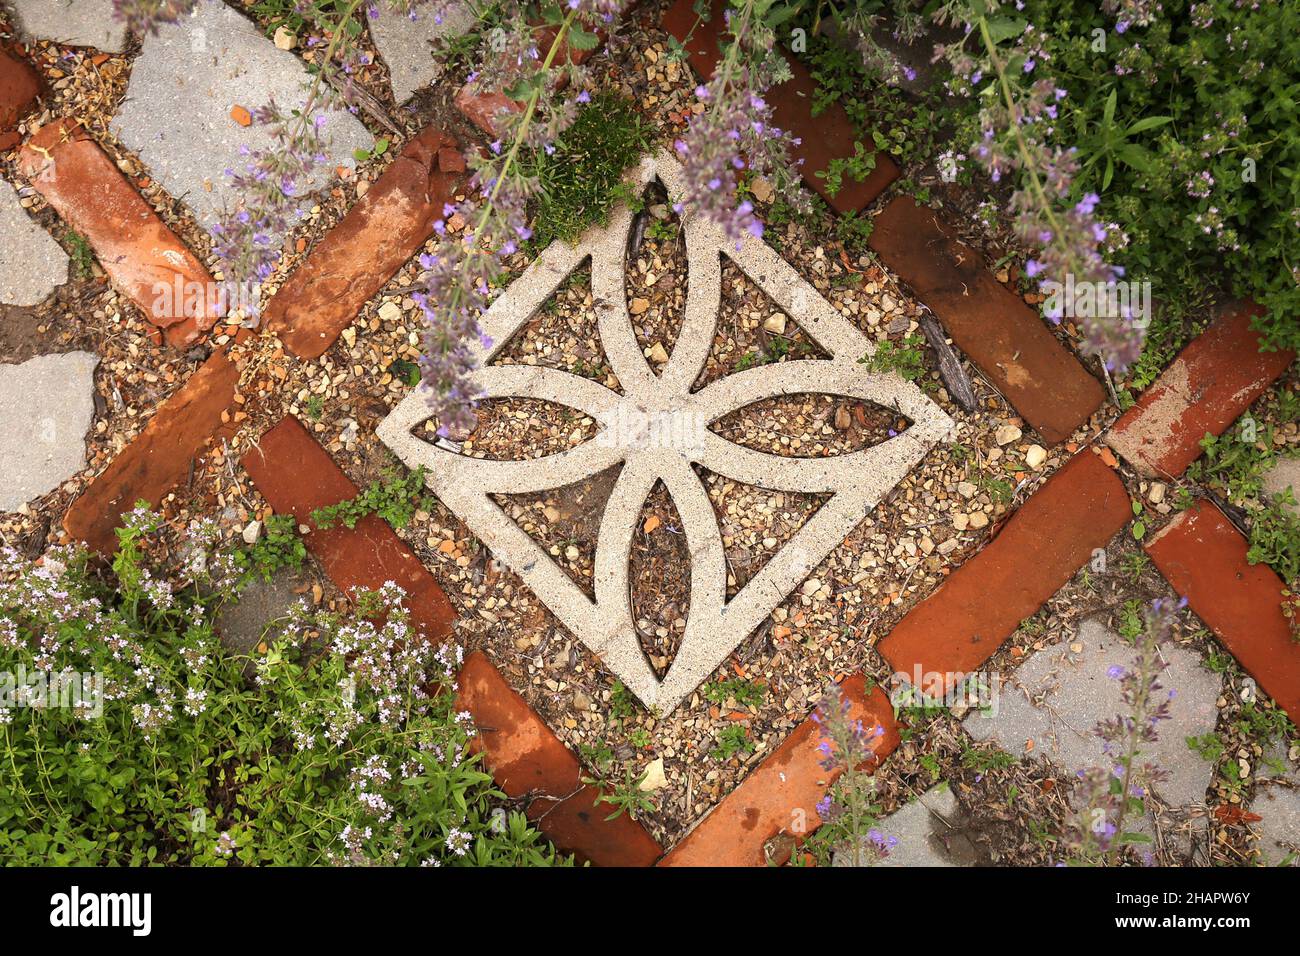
<point>32,264</point>
<point>658,427</point>
<point>71,22</point>
<point>404,44</point>
<point>929,833</point>
<point>1277,802</point>
<point>185,83</point>
<point>1057,697</point>
<point>1283,475</point>
<point>49,404</point>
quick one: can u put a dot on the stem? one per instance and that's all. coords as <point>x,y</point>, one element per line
<point>512,154</point>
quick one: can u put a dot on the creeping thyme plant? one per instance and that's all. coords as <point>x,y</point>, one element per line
<point>152,743</point>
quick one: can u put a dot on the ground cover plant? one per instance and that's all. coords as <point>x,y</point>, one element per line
<point>151,743</point>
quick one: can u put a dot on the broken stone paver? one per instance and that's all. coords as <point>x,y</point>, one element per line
<point>775,806</point>
<point>184,84</point>
<point>826,137</point>
<point>1049,707</point>
<point>528,760</point>
<point>1044,543</point>
<point>930,831</point>
<point>49,403</point>
<point>261,610</point>
<point>1203,557</point>
<point>1277,803</point>
<point>144,259</point>
<point>1205,389</point>
<point>1007,339</point>
<point>378,236</point>
<point>71,22</point>
<point>1284,476</point>
<point>1279,826</point>
<point>664,405</point>
<point>404,43</point>
<point>297,476</point>
<point>159,457</point>
<point>32,264</point>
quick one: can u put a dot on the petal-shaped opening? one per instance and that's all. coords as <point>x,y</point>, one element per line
<point>809,425</point>
<point>756,523</point>
<point>566,523</point>
<point>516,429</point>
<point>660,580</point>
<point>752,330</point>
<point>563,334</point>
<point>655,277</point>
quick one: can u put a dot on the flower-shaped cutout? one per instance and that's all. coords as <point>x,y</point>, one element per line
<point>658,429</point>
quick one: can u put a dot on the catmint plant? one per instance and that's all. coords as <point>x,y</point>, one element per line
<point>848,810</point>
<point>1112,795</point>
<point>1005,63</point>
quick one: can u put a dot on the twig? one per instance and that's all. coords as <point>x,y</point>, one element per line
<point>366,101</point>
<point>954,376</point>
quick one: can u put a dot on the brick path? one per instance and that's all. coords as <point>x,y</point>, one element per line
<point>956,629</point>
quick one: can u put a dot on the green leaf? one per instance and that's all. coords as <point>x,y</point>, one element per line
<point>581,39</point>
<point>1150,122</point>
<point>1004,28</point>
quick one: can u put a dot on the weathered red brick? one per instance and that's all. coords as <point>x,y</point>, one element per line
<point>521,751</point>
<point>158,458</point>
<point>1203,557</point>
<point>145,259</point>
<point>20,85</point>
<point>526,758</point>
<point>297,476</point>
<point>482,108</point>
<point>779,797</point>
<point>1002,335</point>
<point>1051,536</point>
<point>377,237</point>
<point>581,826</point>
<point>1207,387</point>
<point>825,137</point>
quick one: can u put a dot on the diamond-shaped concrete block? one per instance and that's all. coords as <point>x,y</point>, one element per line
<point>658,428</point>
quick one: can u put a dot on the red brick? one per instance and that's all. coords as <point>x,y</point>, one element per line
<point>1207,387</point>
<point>828,136</point>
<point>482,108</point>
<point>19,87</point>
<point>1002,335</point>
<point>521,751</point>
<point>296,476</point>
<point>780,795</point>
<point>1051,536</point>
<point>526,758</point>
<point>1203,557</point>
<point>158,458</point>
<point>137,250</point>
<point>580,825</point>
<point>373,241</point>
